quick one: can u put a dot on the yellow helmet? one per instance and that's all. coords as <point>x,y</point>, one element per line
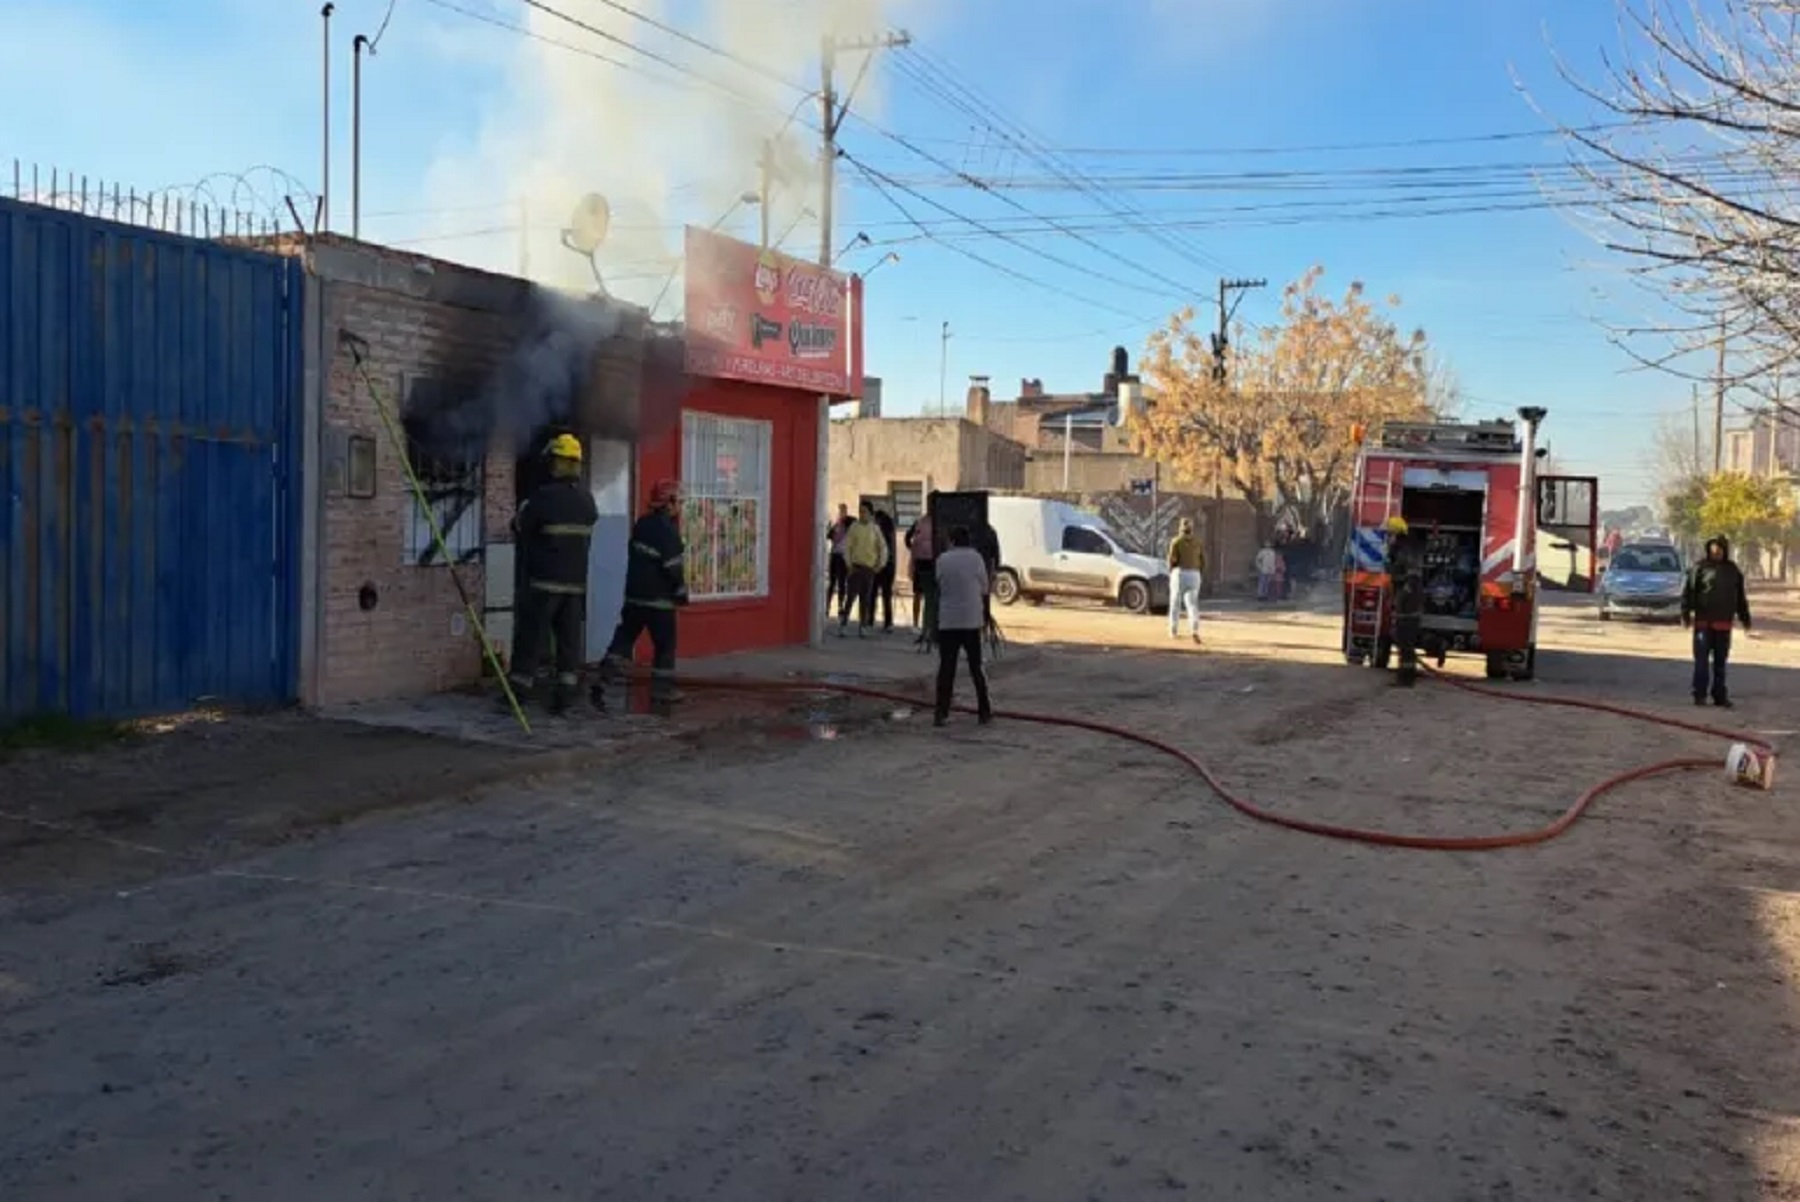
<point>1397,525</point>
<point>564,446</point>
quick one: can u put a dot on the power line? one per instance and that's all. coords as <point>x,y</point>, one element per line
<point>877,179</point>
<point>1316,148</point>
<point>527,32</point>
<point>1017,132</point>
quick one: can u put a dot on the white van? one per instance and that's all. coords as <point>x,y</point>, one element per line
<point>1052,549</point>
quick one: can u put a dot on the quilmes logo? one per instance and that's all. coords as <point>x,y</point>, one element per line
<point>767,277</point>
<point>763,330</point>
<point>812,340</point>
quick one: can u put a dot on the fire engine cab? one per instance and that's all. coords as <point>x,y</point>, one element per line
<point>1468,492</point>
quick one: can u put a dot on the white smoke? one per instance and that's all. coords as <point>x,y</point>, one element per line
<point>663,148</point>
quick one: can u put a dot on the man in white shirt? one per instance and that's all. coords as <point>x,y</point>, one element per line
<point>962,589</point>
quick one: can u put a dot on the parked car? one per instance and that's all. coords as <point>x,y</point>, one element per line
<point>1644,580</point>
<point>1052,549</point>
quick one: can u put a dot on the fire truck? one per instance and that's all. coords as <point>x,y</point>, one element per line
<point>1473,494</point>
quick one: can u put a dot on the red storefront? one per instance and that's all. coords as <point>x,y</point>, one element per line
<point>767,337</point>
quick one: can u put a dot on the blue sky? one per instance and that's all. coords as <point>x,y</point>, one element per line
<point>155,92</point>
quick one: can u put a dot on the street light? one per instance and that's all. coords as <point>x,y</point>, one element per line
<point>893,256</point>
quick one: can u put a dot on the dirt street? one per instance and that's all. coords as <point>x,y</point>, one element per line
<point>862,959</point>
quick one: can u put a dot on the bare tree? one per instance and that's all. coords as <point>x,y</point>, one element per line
<point>1692,174</point>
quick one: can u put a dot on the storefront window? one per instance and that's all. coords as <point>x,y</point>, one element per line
<point>725,505</point>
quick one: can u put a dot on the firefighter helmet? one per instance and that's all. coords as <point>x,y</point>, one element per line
<point>664,492</point>
<point>1397,525</point>
<point>564,446</point>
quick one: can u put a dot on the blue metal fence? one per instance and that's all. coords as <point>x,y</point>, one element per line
<point>149,483</point>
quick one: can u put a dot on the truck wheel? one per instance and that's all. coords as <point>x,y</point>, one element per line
<point>1384,654</point>
<point>1496,666</point>
<point>1134,595</point>
<point>1006,586</point>
<point>1528,669</point>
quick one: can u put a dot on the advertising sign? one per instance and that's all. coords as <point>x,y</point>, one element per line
<point>769,318</point>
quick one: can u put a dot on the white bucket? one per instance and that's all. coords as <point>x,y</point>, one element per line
<point>1751,767</point>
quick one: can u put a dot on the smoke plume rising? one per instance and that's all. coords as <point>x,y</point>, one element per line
<point>663,148</point>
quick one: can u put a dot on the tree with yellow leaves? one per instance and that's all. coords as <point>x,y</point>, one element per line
<point>1277,431</point>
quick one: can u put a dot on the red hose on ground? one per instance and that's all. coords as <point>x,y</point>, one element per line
<point>1328,830</point>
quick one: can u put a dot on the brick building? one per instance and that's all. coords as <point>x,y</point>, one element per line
<point>478,370</point>
<point>382,616</point>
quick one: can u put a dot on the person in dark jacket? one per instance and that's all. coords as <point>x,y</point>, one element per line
<point>884,579</point>
<point>655,587</point>
<point>555,528</point>
<point>1712,600</point>
<point>1406,572</point>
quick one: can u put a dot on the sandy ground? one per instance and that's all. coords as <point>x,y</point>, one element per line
<point>859,959</point>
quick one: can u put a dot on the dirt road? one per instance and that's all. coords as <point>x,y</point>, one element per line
<point>867,960</point>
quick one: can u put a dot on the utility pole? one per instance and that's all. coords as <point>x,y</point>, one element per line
<point>1698,457</point>
<point>833,116</point>
<point>768,175</point>
<point>1719,405</point>
<point>323,221</point>
<point>943,368</point>
<point>525,239</point>
<point>1221,342</point>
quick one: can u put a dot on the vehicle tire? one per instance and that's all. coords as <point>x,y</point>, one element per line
<point>1355,659</point>
<point>1134,595</point>
<point>1006,586</point>
<point>1383,655</point>
<point>1496,666</point>
<point>1528,670</point>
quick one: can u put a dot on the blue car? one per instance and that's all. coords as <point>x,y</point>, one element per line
<point>1644,580</point>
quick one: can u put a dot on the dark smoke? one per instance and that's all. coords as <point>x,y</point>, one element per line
<point>552,380</point>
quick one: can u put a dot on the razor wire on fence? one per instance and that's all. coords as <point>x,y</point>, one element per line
<point>260,202</point>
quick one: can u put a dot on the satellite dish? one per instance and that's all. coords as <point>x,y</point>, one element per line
<point>588,225</point>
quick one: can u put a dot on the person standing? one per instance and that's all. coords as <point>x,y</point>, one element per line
<point>837,579</point>
<point>1187,566</point>
<point>963,583</point>
<point>922,553</point>
<point>1712,600</point>
<point>655,587</point>
<point>1265,573</point>
<point>1406,573</point>
<point>865,554</point>
<point>884,579</point>
<point>555,528</point>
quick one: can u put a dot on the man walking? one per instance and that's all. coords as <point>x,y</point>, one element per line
<point>555,527</point>
<point>962,589</point>
<point>1265,572</point>
<point>655,586</point>
<point>865,554</point>
<point>1713,599</point>
<point>1187,565</point>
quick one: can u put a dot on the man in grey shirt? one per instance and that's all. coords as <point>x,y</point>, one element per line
<point>962,588</point>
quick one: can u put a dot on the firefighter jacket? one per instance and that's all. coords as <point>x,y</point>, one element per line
<point>1715,593</point>
<point>655,574</point>
<point>1186,555</point>
<point>555,527</point>
<point>1406,570</point>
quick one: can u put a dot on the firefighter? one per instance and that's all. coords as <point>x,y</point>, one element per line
<point>554,527</point>
<point>655,587</point>
<point>1406,572</point>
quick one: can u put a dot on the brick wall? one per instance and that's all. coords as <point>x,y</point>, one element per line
<point>439,322</point>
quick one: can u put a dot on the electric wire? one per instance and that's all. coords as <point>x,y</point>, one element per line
<point>875,177</point>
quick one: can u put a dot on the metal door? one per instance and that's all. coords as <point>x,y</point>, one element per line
<point>1568,540</point>
<point>609,475</point>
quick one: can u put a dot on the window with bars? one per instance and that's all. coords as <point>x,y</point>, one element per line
<point>452,471</point>
<point>725,504</point>
<point>909,502</point>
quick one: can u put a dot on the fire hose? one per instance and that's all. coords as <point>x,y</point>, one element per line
<point>1329,830</point>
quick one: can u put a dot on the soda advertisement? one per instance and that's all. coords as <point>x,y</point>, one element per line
<point>769,318</point>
